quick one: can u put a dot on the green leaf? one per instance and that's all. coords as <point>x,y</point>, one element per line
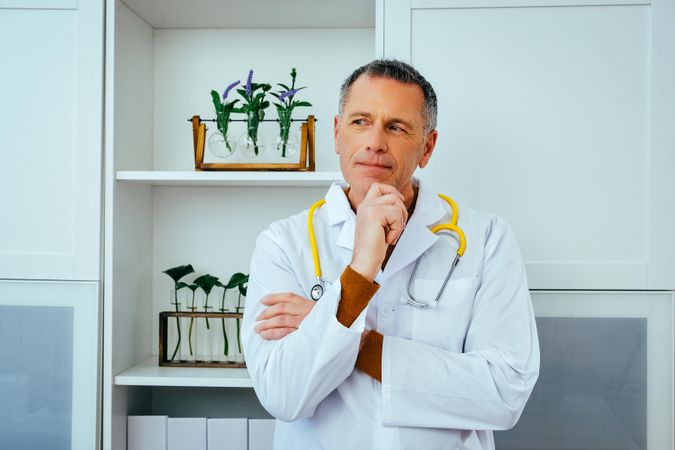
<point>206,282</point>
<point>237,279</point>
<point>264,104</point>
<point>243,289</point>
<point>178,272</point>
<point>302,104</point>
<point>181,285</point>
<point>286,88</point>
<point>193,287</point>
<point>242,92</point>
<point>216,101</point>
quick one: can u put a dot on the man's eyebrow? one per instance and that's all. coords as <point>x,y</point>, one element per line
<point>360,113</point>
<point>392,120</point>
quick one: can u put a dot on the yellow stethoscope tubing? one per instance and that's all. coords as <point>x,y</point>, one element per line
<point>312,237</point>
<point>452,226</point>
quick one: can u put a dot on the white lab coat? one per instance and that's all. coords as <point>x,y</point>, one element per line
<point>450,374</point>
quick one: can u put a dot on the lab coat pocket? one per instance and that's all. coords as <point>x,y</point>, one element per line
<point>444,324</point>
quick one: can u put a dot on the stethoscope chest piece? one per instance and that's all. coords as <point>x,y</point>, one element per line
<point>317,292</point>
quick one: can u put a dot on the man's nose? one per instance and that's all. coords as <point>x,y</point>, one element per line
<point>377,139</point>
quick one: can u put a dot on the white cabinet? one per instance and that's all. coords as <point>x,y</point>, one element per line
<point>563,137</point>
<point>50,233</point>
<point>606,377</point>
<point>49,363</point>
<point>51,133</point>
<point>162,62</point>
<point>556,115</point>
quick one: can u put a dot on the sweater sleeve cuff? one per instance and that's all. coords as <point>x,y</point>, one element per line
<point>369,359</point>
<point>356,292</point>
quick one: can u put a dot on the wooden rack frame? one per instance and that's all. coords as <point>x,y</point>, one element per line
<point>305,163</point>
<point>163,338</point>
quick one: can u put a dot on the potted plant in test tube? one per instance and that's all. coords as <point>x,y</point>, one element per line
<point>253,106</point>
<point>287,144</point>
<point>176,273</point>
<point>220,142</point>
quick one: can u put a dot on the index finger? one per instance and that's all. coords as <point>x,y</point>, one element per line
<point>379,189</point>
<point>283,297</point>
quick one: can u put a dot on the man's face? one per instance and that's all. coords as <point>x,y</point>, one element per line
<point>380,136</point>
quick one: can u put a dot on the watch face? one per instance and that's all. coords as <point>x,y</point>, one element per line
<point>317,292</point>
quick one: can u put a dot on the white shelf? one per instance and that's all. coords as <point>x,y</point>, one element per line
<point>149,373</point>
<point>258,14</point>
<point>194,178</point>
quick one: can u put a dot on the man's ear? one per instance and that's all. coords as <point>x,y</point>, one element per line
<point>336,130</point>
<point>429,146</point>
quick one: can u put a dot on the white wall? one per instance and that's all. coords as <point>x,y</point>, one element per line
<point>546,117</point>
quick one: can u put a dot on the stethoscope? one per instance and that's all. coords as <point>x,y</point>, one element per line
<point>319,288</point>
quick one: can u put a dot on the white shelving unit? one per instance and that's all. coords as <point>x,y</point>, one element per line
<point>163,58</point>
<point>241,179</point>
<point>149,373</point>
<point>162,61</point>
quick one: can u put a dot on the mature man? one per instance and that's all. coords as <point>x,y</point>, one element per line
<point>365,367</point>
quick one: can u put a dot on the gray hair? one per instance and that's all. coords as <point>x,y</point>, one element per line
<point>399,71</point>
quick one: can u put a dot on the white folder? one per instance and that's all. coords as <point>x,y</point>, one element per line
<point>227,434</point>
<point>261,434</point>
<point>186,433</point>
<point>146,432</point>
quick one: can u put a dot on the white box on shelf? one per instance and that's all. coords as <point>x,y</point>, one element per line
<point>227,434</point>
<point>146,432</point>
<point>261,434</point>
<point>186,433</point>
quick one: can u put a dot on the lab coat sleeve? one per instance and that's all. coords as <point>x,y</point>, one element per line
<point>291,376</point>
<point>485,387</point>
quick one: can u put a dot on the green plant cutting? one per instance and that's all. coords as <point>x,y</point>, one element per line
<point>176,273</point>
<point>236,280</point>
<point>285,108</point>
<point>193,288</point>
<point>243,286</point>
<point>224,109</point>
<point>206,282</point>
<point>254,106</point>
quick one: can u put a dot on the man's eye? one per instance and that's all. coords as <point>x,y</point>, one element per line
<point>396,128</point>
<point>359,122</point>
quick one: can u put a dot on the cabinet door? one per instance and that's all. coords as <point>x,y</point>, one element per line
<point>557,115</point>
<point>606,374</point>
<point>48,365</point>
<point>50,138</point>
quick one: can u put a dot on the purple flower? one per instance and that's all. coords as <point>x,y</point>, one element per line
<point>248,83</point>
<point>290,93</point>
<point>229,88</point>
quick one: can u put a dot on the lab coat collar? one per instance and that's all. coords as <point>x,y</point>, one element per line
<point>339,209</point>
<point>340,212</point>
<point>416,238</point>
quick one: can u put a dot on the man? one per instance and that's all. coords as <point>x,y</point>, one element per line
<point>362,368</point>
